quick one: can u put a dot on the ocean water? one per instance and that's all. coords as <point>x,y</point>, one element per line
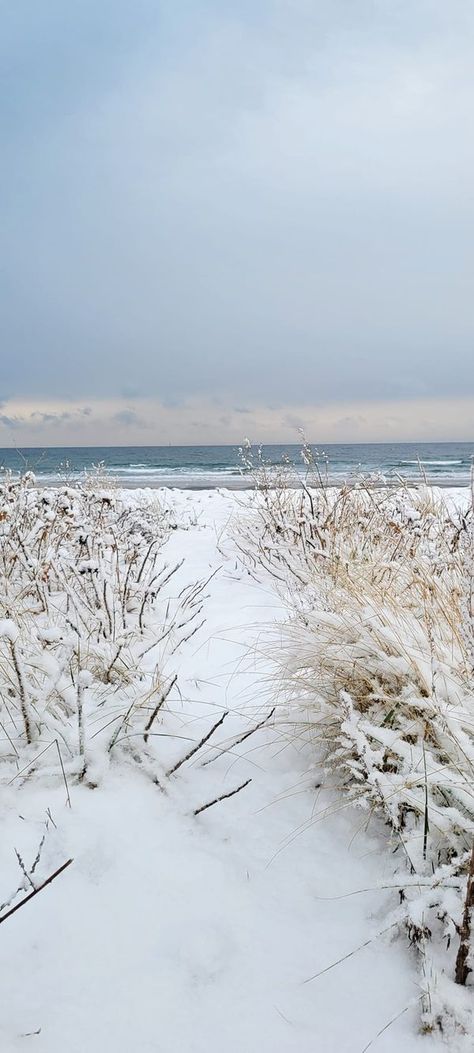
<point>197,467</point>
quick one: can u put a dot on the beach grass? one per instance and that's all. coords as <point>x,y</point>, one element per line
<point>376,664</point>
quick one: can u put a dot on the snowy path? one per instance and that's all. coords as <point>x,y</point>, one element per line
<point>174,933</point>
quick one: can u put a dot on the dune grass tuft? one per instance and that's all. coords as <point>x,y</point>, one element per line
<point>378,656</point>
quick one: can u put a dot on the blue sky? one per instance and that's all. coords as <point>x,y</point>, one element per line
<point>210,208</point>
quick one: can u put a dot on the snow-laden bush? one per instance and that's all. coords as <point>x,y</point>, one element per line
<point>87,627</point>
<point>378,654</point>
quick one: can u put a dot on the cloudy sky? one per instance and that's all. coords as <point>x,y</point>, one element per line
<point>236,217</point>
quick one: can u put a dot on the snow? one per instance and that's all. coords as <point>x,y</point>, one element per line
<point>172,931</point>
<point>8,629</point>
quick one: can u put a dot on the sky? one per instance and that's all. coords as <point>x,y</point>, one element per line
<point>221,219</point>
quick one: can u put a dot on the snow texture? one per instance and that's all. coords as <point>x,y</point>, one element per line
<point>173,931</point>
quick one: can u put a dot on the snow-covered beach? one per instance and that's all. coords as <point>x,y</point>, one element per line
<point>211,931</point>
<point>237,527</point>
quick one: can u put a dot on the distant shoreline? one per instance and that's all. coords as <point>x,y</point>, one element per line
<point>198,468</point>
<point>243,485</point>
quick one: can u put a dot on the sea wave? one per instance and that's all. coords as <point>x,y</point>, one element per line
<point>442,464</point>
<point>161,469</point>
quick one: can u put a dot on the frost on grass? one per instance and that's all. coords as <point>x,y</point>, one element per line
<point>89,625</point>
<point>377,659</point>
<point>100,618</point>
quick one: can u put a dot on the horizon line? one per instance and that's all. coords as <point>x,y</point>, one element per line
<point>217,445</point>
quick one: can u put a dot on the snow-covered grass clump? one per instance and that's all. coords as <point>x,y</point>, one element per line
<point>377,659</point>
<point>88,629</point>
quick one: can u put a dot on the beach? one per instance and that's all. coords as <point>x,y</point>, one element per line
<point>237,528</point>
<point>185,927</point>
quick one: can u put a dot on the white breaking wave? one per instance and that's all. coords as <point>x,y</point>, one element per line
<point>443,464</point>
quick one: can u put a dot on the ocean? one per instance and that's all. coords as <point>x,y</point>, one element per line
<point>200,467</point>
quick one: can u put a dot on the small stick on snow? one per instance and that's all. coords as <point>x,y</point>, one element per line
<point>114,660</point>
<point>186,638</point>
<point>198,746</point>
<point>23,869</point>
<point>40,888</point>
<point>242,738</point>
<point>157,708</point>
<point>223,797</point>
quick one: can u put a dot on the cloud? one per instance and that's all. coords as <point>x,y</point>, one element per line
<point>9,422</point>
<point>356,421</point>
<point>271,205</point>
<point>129,418</point>
<point>51,418</point>
<point>292,420</point>
<point>38,420</point>
<point>198,420</point>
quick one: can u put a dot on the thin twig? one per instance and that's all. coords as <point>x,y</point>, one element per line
<point>30,764</point>
<point>68,798</point>
<point>186,638</point>
<point>157,708</point>
<point>239,741</point>
<point>195,749</point>
<point>40,888</point>
<point>23,869</point>
<point>351,953</point>
<point>223,797</point>
<point>22,691</point>
<point>386,1027</point>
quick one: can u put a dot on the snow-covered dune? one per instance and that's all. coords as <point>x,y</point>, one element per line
<point>173,931</point>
